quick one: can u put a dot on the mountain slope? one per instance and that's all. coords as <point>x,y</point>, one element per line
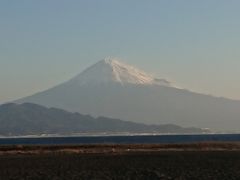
<point>32,119</point>
<point>113,89</point>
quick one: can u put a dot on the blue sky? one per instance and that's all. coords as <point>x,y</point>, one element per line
<point>193,43</point>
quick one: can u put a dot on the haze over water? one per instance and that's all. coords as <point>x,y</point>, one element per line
<point>157,139</point>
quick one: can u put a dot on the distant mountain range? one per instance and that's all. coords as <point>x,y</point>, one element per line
<point>113,89</point>
<point>32,119</point>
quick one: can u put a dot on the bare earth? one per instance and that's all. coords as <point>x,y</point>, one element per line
<point>148,162</point>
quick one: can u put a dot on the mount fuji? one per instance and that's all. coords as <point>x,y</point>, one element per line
<point>114,89</point>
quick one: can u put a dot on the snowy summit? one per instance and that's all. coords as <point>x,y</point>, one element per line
<point>111,70</point>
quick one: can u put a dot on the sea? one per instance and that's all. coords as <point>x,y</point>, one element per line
<point>130,139</point>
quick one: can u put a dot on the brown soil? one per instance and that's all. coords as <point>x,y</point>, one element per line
<point>141,162</point>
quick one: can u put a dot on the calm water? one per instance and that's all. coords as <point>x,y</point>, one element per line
<point>120,139</point>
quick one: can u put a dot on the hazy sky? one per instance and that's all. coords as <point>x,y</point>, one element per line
<point>195,44</point>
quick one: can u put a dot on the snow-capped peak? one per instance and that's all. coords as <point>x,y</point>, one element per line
<point>112,70</point>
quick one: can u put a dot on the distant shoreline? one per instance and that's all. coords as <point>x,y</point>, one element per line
<point>113,135</point>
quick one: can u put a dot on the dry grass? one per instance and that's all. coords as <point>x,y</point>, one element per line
<point>118,149</point>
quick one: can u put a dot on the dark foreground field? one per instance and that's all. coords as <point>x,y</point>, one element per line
<point>138,162</point>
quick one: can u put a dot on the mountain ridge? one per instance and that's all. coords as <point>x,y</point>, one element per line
<point>33,119</point>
